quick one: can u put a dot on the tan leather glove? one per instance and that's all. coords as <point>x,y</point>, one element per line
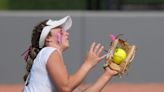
<point>123,66</point>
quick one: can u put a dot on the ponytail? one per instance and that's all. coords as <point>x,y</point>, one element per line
<point>34,49</point>
<point>29,58</point>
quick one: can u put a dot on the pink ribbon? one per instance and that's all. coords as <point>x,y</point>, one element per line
<point>26,53</point>
<point>112,37</point>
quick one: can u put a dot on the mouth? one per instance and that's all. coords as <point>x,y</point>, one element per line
<point>67,38</point>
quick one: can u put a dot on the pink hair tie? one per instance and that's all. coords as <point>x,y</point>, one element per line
<point>112,37</point>
<point>26,53</point>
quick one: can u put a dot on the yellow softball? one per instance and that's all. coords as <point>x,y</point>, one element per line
<point>119,55</point>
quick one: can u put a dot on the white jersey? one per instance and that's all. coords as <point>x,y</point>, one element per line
<point>38,79</point>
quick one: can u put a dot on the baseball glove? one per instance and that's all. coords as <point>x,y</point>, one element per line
<point>130,50</point>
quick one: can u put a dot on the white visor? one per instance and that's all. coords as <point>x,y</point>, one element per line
<point>65,23</point>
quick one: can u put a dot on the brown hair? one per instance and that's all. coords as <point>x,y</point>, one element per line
<point>34,49</point>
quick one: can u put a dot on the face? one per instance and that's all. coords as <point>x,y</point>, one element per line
<point>60,37</point>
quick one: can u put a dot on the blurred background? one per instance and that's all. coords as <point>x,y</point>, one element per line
<point>141,22</point>
<point>101,5</point>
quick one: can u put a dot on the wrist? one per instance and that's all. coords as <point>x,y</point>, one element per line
<point>86,66</point>
<point>106,73</point>
<point>106,76</point>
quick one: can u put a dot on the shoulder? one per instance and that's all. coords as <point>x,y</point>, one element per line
<point>55,55</point>
<point>55,60</point>
<point>46,53</point>
<point>52,54</point>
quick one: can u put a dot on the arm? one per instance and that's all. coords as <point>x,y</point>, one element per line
<point>59,75</point>
<point>102,81</point>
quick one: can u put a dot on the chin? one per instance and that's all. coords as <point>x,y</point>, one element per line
<point>66,46</point>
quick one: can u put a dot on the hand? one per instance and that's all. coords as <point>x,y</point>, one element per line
<point>110,72</point>
<point>93,56</point>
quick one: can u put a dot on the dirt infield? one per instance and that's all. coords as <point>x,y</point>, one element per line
<point>122,87</point>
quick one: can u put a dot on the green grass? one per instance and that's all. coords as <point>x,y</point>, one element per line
<point>61,4</point>
<point>3,4</point>
<point>47,4</point>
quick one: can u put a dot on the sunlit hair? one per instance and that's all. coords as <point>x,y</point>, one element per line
<point>34,49</point>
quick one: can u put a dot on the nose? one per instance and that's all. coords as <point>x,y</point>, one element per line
<point>66,33</point>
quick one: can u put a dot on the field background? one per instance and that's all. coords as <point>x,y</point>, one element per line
<point>145,29</point>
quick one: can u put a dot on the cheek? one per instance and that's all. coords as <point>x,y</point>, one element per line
<point>54,38</point>
<point>58,38</point>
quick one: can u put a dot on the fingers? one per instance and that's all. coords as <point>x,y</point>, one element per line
<point>92,47</point>
<point>100,50</point>
<point>96,48</point>
<point>102,57</point>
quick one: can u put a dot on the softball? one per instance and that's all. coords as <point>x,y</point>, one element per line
<point>119,55</point>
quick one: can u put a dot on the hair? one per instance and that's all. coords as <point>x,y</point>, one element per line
<point>34,49</point>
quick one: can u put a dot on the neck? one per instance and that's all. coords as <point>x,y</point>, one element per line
<point>55,46</point>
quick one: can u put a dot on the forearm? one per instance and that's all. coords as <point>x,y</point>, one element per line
<point>100,83</point>
<point>77,78</point>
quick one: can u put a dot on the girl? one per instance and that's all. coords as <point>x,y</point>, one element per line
<point>46,71</point>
